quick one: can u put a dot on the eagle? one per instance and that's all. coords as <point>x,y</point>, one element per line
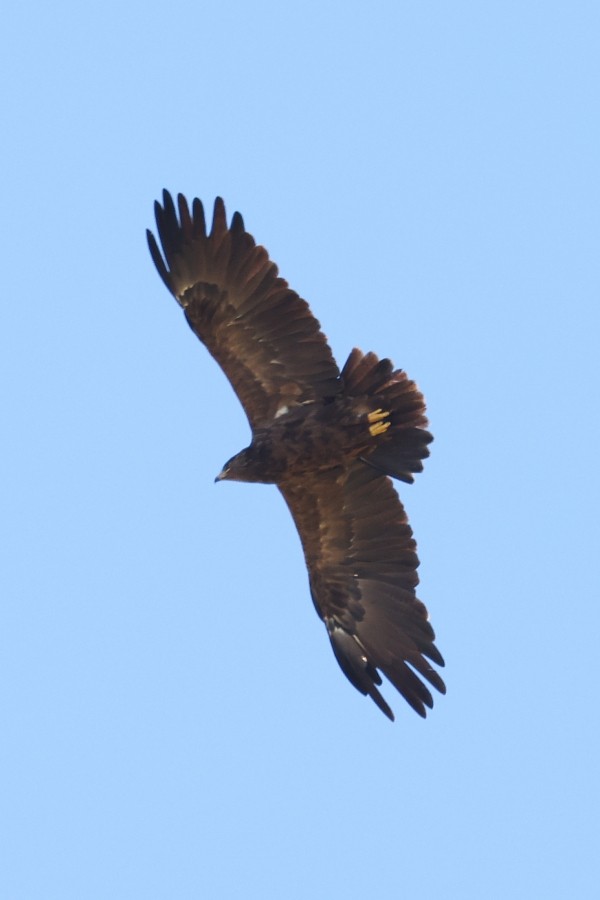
<point>330,439</point>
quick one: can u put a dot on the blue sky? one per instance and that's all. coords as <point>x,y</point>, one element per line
<point>174,723</point>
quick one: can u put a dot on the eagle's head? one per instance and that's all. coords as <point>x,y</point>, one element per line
<point>247,465</point>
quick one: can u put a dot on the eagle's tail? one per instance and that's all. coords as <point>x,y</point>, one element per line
<point>396,411</point>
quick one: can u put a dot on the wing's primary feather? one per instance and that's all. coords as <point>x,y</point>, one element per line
<point>262,334</point>
<point>362,563</point>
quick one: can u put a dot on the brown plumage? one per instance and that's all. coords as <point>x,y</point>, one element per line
<point>328,440</point>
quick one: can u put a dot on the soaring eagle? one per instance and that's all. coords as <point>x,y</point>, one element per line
<point>327,438</point>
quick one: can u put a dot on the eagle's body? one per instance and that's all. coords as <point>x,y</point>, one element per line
<point>310,438</point>
<point>327,438</point>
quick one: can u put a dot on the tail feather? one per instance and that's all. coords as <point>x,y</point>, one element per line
<point>374,383</point>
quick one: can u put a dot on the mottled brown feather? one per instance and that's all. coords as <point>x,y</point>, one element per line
<point>262,334</point>
<point>362,564</point>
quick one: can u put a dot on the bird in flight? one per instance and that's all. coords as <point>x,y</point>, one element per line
<point>330,440</point>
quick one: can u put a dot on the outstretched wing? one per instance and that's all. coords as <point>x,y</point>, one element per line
<point>362,566</point>
<point>262,334</point>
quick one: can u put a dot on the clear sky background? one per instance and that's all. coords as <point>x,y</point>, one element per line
<point>173,722</point>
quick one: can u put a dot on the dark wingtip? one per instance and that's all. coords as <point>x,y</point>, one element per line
<point>158,260</point>
<point>169,228</point>
<point>198,218</point>
<point>378,699</point>
<point>355,666</point>
<point>432,652</point>
<point>184,215</point>
<point>168,204</point>
<point>219,223</point>
<point>237,222</point>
